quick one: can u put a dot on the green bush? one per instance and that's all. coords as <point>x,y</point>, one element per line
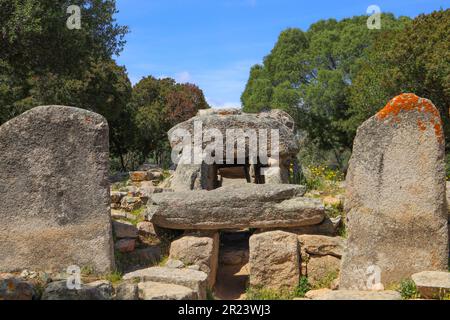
<point>303,287</point>
<point>408,290</point>
<point>323,178</point>
<point>114,277</point>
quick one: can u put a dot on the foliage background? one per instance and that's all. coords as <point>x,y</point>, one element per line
<point>337,74</point>
<point>330,78</point>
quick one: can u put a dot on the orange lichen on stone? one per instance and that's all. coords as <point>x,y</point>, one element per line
<point>409,102</point>
<point>421,125</point>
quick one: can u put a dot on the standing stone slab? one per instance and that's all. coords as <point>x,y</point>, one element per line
<point>54,191</point>
<point>396,206</point>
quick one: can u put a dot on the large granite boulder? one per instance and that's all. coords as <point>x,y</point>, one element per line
<point>98,290</point>
<point>127,290</point>
<point>54,191</point>
<point>224,120</point>
<point>191,175</point>
<point>249,206</point>
<point>274,260</point>
<point>396,204</point>
<point>15,288</point>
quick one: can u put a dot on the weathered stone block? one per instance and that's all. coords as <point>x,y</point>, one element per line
<point>165,291</point>
<point>54,191</point>
<point>195,280</point>
<point>432,284</point>
<point>322,245</point>
<point>198,249</point>
<point>274,260</point>
<point>396,203</point>
<point>98,290</point>
<point>124,229</point>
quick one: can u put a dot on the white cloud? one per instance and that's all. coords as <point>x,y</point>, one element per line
<point>183,77</point>
<point>225,105</point>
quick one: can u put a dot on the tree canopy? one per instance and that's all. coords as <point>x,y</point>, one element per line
<point>310,75</point>
<point>159,105</point>
<point>415,59</point>
<point>43,62</point>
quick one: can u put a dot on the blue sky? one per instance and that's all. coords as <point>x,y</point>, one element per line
<point>213,43</point>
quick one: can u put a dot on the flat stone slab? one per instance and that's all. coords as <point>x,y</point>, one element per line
<point>195,280</point>
<point>249,206</point>
<point>432,284</point>
<point>165,291</point>
<point>358,295</point>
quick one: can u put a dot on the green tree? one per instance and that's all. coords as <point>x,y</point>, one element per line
<point>160,104</point>
<point>37,46</point>
<point>308,74</point>
<point>416,59</point>
<point>258,91</point>
<point>44,62</point>
<point>35,37</point>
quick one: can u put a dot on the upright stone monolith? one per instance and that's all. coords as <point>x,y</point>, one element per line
<point>396,205</point>
<point>54,191</point>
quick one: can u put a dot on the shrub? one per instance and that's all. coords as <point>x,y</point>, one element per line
<point>335,210</point>
<point>114,277</point>
<point>326,281</point>
<point>323,178</point>
<point>303,287</point>
<point>408,290</point>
